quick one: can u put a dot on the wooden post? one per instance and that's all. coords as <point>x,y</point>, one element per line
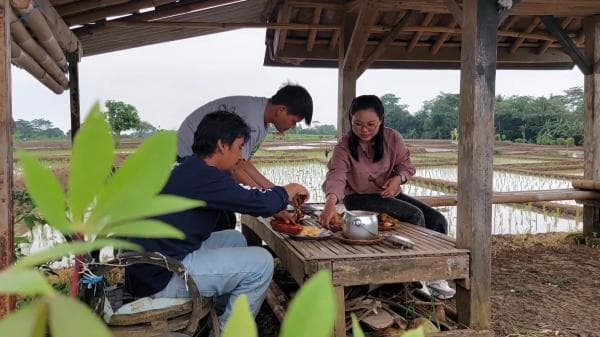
<point>73,59</point>
<point>591,214</point>
<point>339,329</point>
<point>475,154</point>
<point>6,157</point>
<point>346,78</point>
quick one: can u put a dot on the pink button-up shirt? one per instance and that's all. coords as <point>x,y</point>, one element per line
<point>348,176</point>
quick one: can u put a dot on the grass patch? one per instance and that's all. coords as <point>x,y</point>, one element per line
<point>580,239</point>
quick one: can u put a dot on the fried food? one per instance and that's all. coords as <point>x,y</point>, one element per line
<point>286,228</point>
<point>310,231</point>
<point>386,220</point>
<point>297,202</point>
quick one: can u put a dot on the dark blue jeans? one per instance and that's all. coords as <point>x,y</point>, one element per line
<point>402,207</point>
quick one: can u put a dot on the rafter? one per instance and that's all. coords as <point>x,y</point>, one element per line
<point>389,38</point>
<point>455,10</point>
<point>417,36</point>
<point>360,35</point>
<point>116,10</point>
<point>511,22</point>
<point>532,26</point>
<point>506,12</point>
<point>335,37</point>
<point>441,39</point>
<point>285,13</point>
<point>564,24</point>
<point>584,63</point>
<point>312,34</point>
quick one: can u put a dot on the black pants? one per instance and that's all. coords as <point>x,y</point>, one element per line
<point>402,207</point>
<point>226,220</point>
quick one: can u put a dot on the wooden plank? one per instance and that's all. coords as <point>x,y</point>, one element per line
<point>290,258</point>
<point>567,43</point>
<point>533,25</point>
<point>441,39</point>
<point>85,5</point>
<point>389,38</point>
<point>415,39</point>
<point>455,10</point>
<point>73,60</point>
<point>312,34</point>
<point>339,328</point>
<point>390,270</point>
<point>115,10</point>
<point>591,139</point>
<point>475,154</point>
<point>564,24</point>
<point>284,15</point>
<point>6,155</point>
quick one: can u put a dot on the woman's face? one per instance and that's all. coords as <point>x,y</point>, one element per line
<point>365,124</point>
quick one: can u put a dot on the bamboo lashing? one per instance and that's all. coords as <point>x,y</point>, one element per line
<point>40,28</point>
<point>22,38</point>
<point>586,184</point>
<point>23,60</point>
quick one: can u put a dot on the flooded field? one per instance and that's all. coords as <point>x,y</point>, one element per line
<point>506,219</point>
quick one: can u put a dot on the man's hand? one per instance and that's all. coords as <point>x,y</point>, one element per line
<point>284,216</point>
<point>392,188</point>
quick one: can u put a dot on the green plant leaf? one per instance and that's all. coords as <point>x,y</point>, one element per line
<point>144,229</point>
<point>142,175</point>
<point>356,330</point>
<point>27,322</point>
<point>91,162</point>
<point>312,312</point>
<point>16,281</point>
<point>70,318</point>
<point>418,332</point>
<point>75,248</point>
<point>138,208</point>
<point>241,322</point>
<point>45,191</point>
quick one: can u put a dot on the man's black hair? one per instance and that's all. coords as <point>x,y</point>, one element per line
<point>296,99</point>
<point>219,125</point>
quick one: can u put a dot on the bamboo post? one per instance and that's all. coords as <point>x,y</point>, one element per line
<point>67,40</point>
<point>591,214</point>
<point>73,59</point>
<point>25,61</point>
<point>475,154</point>
<point>6,155</point>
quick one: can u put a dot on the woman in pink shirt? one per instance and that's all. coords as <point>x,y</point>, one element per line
<point>368,167</point>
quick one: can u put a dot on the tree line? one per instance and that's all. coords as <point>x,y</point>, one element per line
<point>557,119</point>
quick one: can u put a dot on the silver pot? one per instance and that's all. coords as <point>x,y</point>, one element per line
<point>360,225</point>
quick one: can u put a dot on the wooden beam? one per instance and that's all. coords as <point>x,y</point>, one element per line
<point>346,77</point>
<point>6,155</point>
<point>442,39</point>
<point>415,39</point>
<point>534,23</point>
<point>455,10</point>
<point>584,63</point>
<point>389,38</point>
<point>116,10</point>
<point>360,35</point>
<point>85,5</point>
<point>564,24</point>
<point>335,36</point>
<point>504,13</point>
<point>591,138</point>
<point>73,59</point>
<point>285,13</point>
<point>507,26</point>
<point>518,197</point>
<point>475,155</point>
<point>312,34</point>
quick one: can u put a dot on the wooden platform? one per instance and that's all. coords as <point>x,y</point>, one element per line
<point>434,257</point>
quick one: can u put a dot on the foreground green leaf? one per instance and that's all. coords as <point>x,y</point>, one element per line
<point>14,281</point>
<point>356,330</point>
<point>141,176</point>
<point>45,191</point>
<point>138,208</point>
<point>241,322</point>
<point>75,248</point>
<point>71,318</point>
<point>144,229</point>
<point>418,332</point>
<point>312,312</point>
<point>27,322</point>
<point>91,162</point>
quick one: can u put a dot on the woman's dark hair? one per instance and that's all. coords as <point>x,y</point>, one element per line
<point>365,102</point>
<point>219,125</point>
<point>296,99</point>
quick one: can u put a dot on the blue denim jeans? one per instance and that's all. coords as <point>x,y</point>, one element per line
<point>224,268</point>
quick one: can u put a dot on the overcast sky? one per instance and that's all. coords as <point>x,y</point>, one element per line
<point>166,82</point>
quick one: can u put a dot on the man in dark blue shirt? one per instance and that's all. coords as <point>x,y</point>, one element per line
<point>220,262</point>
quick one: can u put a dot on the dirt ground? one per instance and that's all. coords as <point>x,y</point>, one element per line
<point>542,285</point>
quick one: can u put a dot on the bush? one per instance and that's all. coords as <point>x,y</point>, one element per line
<point>521,140</point>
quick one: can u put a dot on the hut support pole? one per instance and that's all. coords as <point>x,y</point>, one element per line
<point>73,59</point>
<point>346,77</point>
<point>591,214</point>
<point>475,154</point>
<point>6,157</point>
